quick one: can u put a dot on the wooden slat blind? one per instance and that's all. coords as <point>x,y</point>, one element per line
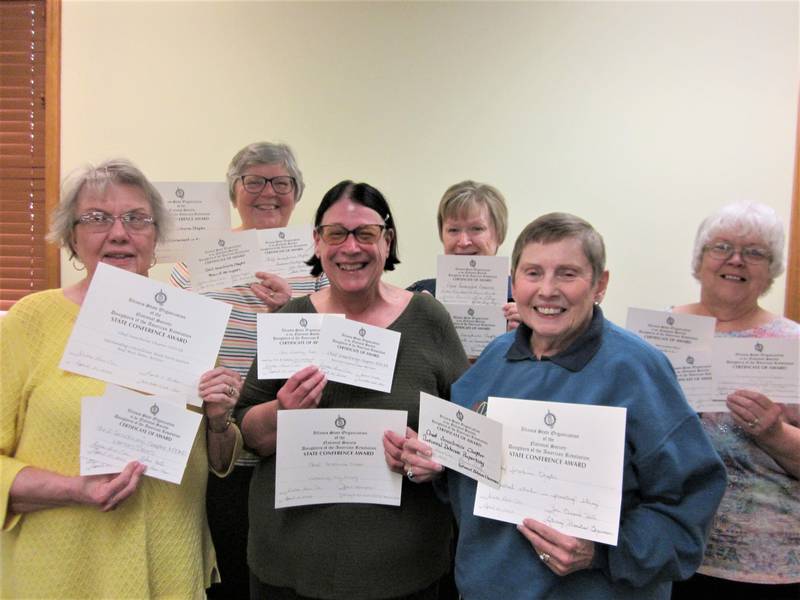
<point>24,254</point>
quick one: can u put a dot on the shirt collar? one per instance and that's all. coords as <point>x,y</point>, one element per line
<point>574,358</point>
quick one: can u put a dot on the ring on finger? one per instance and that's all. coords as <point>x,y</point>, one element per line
<point>230,392</point>
<point>753,423</point>
<point>410,474</point>
<point>544,557</point>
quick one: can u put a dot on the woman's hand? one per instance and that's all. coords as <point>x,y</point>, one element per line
<point>272,290</point>
<point>756,414</point>
<point>106,492</point>
<point>409,456</point>
<point>562,553</point>
<point>772,426</point>
<point>511,314</point>
<point>219,388</point>
<point>35,489</point>
<point>302,390</point>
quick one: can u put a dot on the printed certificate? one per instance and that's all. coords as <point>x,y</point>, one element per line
<point>196,208</point>
<point>672,332</point>
<point>461,439</point>
<point>330,455</point>
<point>476,325</point>
<point>288,342</point>
<point>562,465</point>
<point>765,365</point>
<point>472,280</point>
<point>142,334</point>
<point>358,354</point>
<point>285,250</point>
<point>223,259</point>
<point>687,340</point>
<point>124,425</point>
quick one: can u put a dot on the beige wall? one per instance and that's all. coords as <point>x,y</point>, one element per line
<point>641,117</point>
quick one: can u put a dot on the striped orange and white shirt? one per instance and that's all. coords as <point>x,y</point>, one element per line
<point>239,343</point>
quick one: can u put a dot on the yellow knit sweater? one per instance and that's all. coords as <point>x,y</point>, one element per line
<point>155,544</point>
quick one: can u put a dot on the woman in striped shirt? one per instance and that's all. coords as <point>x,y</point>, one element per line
<point>265,184</point>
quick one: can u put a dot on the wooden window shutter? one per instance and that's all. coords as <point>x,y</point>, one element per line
<point>29,71</point>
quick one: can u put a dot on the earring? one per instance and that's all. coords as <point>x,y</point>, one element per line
<point>154,262</point>
<point>77,264</point>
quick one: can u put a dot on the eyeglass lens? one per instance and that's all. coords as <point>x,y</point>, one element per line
<point>337,234</point>
<point>750,254</point>
<point>283,184</point>
<point>101,221</point>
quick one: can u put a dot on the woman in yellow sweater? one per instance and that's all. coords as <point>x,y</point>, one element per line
<point>122,535</point>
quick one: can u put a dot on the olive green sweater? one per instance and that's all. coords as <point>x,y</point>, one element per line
<point>361,551</point>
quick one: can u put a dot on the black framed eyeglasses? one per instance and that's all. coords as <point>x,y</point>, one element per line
<point>254,184</point>
<point>336,234</point>
<point>754,255</point>
<point>99,222</point>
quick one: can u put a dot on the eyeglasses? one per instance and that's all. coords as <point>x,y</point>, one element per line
<point>98,221</point>
<point>753,255</point>
<point>336,234</point>
<point>254,184</point>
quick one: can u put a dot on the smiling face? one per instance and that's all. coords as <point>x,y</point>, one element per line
<point>129,250</point>
<point>554,292</point>
<point>732,281</point>
<point>352,267</point>
<point>266,209</point>
<point>470,233</point>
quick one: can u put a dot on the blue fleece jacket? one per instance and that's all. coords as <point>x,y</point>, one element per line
<point>673,479</point>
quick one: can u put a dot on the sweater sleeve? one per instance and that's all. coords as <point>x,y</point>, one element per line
<point>454,360</point>
<point>680,481</point>
<point>16,355</point>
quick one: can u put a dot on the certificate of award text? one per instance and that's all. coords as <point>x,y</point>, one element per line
<point>562,465</point>
<point>472,280</point>
<point>196,207</point>
<point>765,365</point>
<point>461,439</point>
<point>285,250</point>
<point>223,259</point>
<point>142,334</point>
<point>687,340</point>
<point>124,425</point>
<point>327,455</point>
<point>358,354</point>
<point>476,325</point>
<point>288,342</point>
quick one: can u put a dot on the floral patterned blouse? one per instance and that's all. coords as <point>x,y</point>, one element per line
<point>756,532</point>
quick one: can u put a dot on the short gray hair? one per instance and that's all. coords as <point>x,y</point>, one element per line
<point>554,227</point>
<point>743,219</point>
<point>466,195</point>
<point>117,171</point>
<point>264,153</point>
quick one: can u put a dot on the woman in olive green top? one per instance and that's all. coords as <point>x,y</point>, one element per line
<point>353,551</point>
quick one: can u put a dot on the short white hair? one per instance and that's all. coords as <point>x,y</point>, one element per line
<point>743,219</point>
